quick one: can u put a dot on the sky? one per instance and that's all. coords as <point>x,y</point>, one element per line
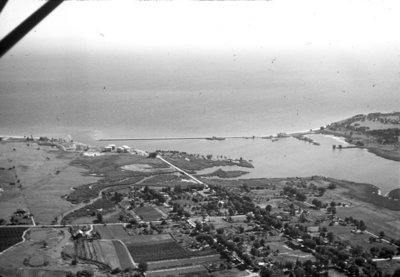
<point>186,45</point>
<point>128,26</point>
<point>250,66</point>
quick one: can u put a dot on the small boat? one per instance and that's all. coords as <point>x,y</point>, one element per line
<point>216,138</point>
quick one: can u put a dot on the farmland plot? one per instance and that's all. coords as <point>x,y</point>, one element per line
<point>157,251</point>
<point>10,236</point>
<point>112,232</point>
<point>183,262</point>
<point>108,253</point>
<point>123,255</point>
<point>197,270</point>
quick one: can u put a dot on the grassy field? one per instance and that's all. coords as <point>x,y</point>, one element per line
<point>148,239</point>
<point>376,220</point>
<point>148,213</point>
<point>112,164</point>
<point>42,247</point>
<point>86,192</point>
<point>285,253</point>
<point>123,255</point>
<point>196,270</point>
<point>45,176</point>
<point>234,272</point>
<point>183,262</point>
<point>41,273</point>
<point>10,236</point>
<point>112,232</point>
<point>103,205</point>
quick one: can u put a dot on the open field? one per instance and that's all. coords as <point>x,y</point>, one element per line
<point>42,247</point>
<point>112,164</point>
<point>367,193</point>
<point>44,175</point>
<point>148,239</point>
<point>196,270</point>
<point>10,236</point>
<point>41,273</point>
<point>197,164</point>
<point>169,263</point>
<point>123,255</point>
<point>344,233</point>
<point>102,204</point>
<point>148,213</point>
<point>234,272</point>
<point>112,232</point>
<point>389,266</point>
<point>86,192</point>
<point>285,253</point>
<point>376,219</point>
<point>145,167</point>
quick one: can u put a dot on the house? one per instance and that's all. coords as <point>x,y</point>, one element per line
<point>112,146</point>
<point>191,223</point>
<point>126,149</point>
<point>313,230</point>
<point>239,218</point>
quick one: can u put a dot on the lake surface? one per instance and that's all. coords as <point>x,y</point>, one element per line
<point>86,96</point>
<point>289,157</point>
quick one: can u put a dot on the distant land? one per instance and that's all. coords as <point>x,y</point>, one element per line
<point>377,132</point>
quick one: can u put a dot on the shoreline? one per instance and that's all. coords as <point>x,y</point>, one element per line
<point>379,152</point>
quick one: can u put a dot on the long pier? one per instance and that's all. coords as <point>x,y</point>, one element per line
<point>217,138</point>
<point>182,138</point>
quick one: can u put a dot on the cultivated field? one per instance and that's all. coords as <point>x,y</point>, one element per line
<point>10,236</point>
<point>196,270</point>
<point>155,248</point>
<point>123,255</point>
<point>108,252</point>
<point>183,262</point>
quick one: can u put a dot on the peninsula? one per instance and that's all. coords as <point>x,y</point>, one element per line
<point>377,132</point>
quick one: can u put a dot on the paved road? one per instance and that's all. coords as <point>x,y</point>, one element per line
<point>62,226</point>
<point>182,171</point>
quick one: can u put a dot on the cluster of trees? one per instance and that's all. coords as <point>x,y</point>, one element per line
<point>384,252</point>
<point>180,211</point>
<point>359,224</point>
<point>386,136</point>
<point>150,194</point>
<point>294,193</point>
